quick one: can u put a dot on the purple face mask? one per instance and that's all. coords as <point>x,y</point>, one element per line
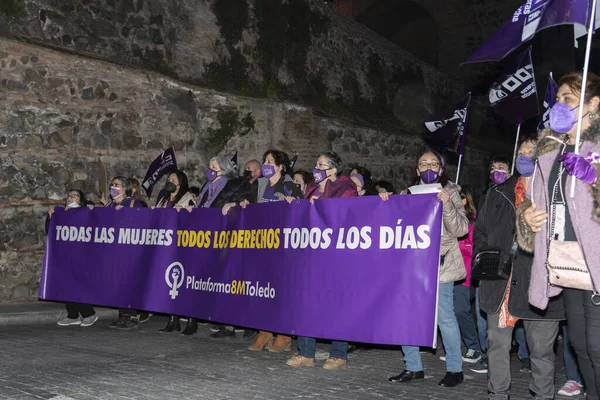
<point>525,165</point>
<point>429,176</point>
<point>498,176</point>
<point>320,175</point>
<point>268,170</point>
<point>115,192</point>
<point>211,174</point>
<point>562,117</point>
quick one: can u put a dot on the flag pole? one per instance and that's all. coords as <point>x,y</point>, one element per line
<point>512,168</point>
<point>458,169</point>
<point>588,49</point>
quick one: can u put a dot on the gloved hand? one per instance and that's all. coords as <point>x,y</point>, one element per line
<point>578,167</point>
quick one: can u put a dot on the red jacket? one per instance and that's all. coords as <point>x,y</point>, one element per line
<point>341,187</point>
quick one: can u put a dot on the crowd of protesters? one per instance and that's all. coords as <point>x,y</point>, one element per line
<point>523,215</point>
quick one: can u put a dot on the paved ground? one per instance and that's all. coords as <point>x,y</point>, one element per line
<point>45,361</point>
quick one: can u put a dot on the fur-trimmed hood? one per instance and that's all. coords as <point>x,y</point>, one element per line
<point>547,139</point>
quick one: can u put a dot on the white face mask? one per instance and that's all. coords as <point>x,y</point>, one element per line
<point>73,205</point>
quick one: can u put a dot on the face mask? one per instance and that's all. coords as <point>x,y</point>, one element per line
<point>170,187</point>
<point>320,175</point>
<point>73,205</point>
<point>498,176</point>
<point>525,166</point>
<point>562,117</point>
<point>211,174</point>
<point>248,175</point>
<point>115,192</point>
<point>429,176</point>
<point>268,170</point>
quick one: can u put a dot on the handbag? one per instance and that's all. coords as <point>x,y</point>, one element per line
<point>493,263</point>
<point>566,266</point>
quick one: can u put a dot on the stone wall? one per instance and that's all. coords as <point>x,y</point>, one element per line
<point>319,57</point>
<point>61,113</point>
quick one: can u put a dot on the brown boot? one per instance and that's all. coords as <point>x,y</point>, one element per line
<point>282,343</point>
<point>264,339</point>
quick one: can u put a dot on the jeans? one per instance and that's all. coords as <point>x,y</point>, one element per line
<point>523,351</point>
<point>481,325</point>
<point>570,359</point>
<point>541,336</point>
<point>583,325</point>
<point>450,334</point>
<point>462,309</point>
<point>308,347</point>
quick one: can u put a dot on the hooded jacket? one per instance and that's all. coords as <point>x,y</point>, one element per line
<point>584,210</point>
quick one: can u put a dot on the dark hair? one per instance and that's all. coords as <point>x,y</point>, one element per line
<point>135,184</point>
<point>369,186</point>
<point>334,160</point>
<point>195,190</point>
<point>500,159</point>
<point>529,137</point>
<point>307,177</point>
<point>467,192</point>
<point>385,185</point>
<point>281,158</point>
<point>183,184</point>
<point>125,183</point>
<point>82,200</point>
<point>574,80</point>
<point>443,176</point>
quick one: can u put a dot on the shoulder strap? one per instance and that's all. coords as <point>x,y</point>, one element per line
<point>131,203</point>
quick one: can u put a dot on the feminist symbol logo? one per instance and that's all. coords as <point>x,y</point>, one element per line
<point>174,278</point>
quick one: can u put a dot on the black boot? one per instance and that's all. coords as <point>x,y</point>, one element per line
<point>172,325</point>
<point>191,327</point>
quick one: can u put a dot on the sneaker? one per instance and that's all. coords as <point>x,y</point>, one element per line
<point>525,365</point>
<point>472,356</point>
<point>117,322</point>
<point>89,321</point>
<point>215,327</point>
<point>69,321</point>
<point>129,322</point>
<point>480,367</point>
<point>298,361</point>
<point>570,388</point>
<point>334,363</point>
<point>250,334</point>
<point>223,334</point>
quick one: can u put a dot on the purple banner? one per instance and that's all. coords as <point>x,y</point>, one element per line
<point>514,95</point>
<point>357,269</point>
<point>527,20</point>
<point>448,126</point>
<point>549,100</point>
<point>163,164</point>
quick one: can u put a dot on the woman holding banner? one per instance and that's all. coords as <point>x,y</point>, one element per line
<point>176,193</point>
<point>274,185</point>
<point>328,184</point>
<point>552,220</point>
<point>223,186</point>
<point>430,170</point>
<point>75,199</point>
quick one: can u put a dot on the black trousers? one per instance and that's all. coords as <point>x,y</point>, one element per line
<point>75,309</point>
<point>583,327</point>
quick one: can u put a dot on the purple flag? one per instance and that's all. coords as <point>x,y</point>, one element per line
<point>549,100</point>
<point>293,161</point>
<point>234,161</point>
<point>448,127</point>
<point>514,95</point>
<point>530,18</point>
<point>357,269</point>
<point>163,164</point>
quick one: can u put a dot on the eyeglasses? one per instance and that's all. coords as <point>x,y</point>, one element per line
<point>71,195</point>
<point>433,164</point>
<point>322,166</point>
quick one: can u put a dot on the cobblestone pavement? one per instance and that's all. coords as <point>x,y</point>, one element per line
<point>63,363</point>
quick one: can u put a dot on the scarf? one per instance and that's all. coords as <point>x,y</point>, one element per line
<point>213,188</point>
